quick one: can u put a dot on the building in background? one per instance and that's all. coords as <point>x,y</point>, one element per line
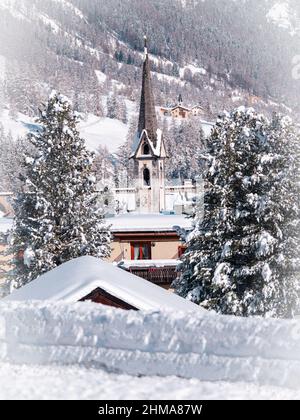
<point>183,112</point>
<point>149,245</point>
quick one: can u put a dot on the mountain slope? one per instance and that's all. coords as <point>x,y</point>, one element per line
<point>220,53</point>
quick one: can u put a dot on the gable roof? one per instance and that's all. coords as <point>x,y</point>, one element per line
<point>75,279</point>
<point>156,147</point>
<point>180,107</point>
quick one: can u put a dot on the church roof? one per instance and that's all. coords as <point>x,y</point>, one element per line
<point>147,115</point>
<point>155,147</point>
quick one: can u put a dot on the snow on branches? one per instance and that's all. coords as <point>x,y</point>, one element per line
<point>57,216</point>
<point>242,259</point>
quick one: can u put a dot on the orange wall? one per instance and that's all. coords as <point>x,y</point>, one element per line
<point>162,250</point>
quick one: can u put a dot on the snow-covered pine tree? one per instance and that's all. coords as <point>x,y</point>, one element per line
<point>124,165</point>
<point>122,111</point>
<point>112,106</point>
<point>56,216</point>
<point>242,257</point>
<point>184,162</point>
<point>282,164</point>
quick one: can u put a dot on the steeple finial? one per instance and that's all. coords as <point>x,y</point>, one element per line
<point>145,45</point>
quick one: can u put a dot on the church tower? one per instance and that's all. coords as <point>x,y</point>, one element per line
<point>149,151</point>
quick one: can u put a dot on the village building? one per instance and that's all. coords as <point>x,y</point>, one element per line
<point>149,245</point>
<point>183,112</point>
<point>198,111</point>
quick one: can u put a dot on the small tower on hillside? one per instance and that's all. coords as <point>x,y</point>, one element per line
<point>180,100</point>
<point>149,151</point>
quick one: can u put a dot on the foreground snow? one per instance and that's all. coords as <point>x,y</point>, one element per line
<point>197,345</point>
<point>78,382</point>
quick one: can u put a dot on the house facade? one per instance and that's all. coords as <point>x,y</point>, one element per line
<point>149,245</point>
<point>183,112</point>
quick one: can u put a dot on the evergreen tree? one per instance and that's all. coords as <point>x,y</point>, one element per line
<point>122,111</point>
<point>56,217</point>
<point>112,106</point>
<point>103,166</point>
<point>124,176</point>
<point>242,257</point>
<point>184,158</point>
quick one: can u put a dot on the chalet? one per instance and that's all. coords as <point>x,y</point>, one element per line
<point>180,111</point>
<point>197,111</point>
<point>149,245</point>
<point>90,279</point>
<point>183,112</point>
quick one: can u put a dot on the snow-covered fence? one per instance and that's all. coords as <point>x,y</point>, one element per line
<point>204,346</point>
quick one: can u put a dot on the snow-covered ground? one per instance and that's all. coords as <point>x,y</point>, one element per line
<point>86,350</point>
<point>77,383</point>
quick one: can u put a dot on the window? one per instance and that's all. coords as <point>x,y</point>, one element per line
<point>181,250</point>
<point>141,251</point>
<point>146,149</point>
<point>146,176</point>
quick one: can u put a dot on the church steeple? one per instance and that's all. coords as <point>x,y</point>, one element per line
<point>149,150</point>
<point>147,116</point>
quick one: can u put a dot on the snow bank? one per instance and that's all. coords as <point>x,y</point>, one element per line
<point>199,345</point>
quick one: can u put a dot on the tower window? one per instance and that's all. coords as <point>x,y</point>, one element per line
<point>146,176</point>
<point>146,149</point>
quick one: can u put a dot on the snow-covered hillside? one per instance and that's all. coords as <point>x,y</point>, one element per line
<point>226,351</point>
<point>71,49</point>
<point>95,130</point>
<point>283,15</point>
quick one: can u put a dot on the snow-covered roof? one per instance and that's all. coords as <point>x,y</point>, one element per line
<point>147,263</point>
<point>156,150</point>
<point>180,107</point>
<point>151,222</point>
<point>75,279</point>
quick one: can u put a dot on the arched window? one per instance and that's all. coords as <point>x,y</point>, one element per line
<point>146,149</point>
<point>146,176</point>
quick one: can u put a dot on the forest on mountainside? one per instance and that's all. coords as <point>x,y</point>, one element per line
<point>238,48</point>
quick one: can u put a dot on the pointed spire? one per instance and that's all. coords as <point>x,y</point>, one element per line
<point>180,100</point>
<point>145,46</point>
<point>147,116</point>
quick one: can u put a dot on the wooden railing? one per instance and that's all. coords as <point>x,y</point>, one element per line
<point>157,275</point>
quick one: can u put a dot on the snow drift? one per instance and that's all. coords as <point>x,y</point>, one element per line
<point>191,345</point>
